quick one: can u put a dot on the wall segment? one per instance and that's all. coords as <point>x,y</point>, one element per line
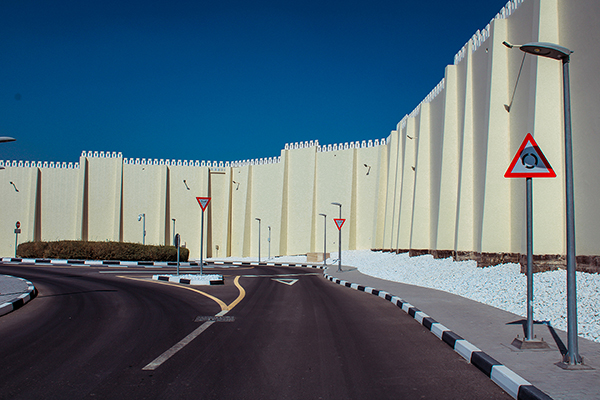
<point>435,185</point>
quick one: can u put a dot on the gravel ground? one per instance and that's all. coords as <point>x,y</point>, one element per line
<point>501,286</point>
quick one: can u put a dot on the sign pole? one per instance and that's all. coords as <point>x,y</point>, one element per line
<point>176,239</point>
<point>203,202</point>
<point>17,231</point>
<point>529,162</point>
<point>529,195</point>
<point>202,243</point>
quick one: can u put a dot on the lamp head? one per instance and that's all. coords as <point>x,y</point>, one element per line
<point>543,49</point>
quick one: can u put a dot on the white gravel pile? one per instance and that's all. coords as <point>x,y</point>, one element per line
<point>501,286</point>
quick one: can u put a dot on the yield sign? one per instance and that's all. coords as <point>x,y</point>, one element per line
<point>339,222</point>
<point>203,201</point>
<point>529,162</point>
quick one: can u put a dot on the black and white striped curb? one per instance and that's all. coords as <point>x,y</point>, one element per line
<point>509,381</point>
<point>186,281</point>
<point>21,300</point>
<point>150,264</point>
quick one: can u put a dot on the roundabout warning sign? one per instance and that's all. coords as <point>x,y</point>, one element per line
<point>529,162</point>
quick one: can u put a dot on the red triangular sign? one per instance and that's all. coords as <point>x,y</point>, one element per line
<point>529,162</point>
<point>203,201</point>
<point>339,222</point>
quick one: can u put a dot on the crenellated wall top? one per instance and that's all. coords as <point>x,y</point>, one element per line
<point>482,35</point>
<point>38,164</point>
<point>214,165</point>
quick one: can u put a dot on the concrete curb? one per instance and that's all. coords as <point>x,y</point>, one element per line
<point>149,264</point>
<point>21,300</point>
<point>509,381</point>
<point>186,281</point>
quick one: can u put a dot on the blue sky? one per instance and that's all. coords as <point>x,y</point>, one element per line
<point>217,80</point>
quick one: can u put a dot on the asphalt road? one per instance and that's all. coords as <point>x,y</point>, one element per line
<point>98,333</point>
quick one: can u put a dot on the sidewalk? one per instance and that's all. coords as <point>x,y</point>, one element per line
<point>14,292</point>
<point>492,330</point>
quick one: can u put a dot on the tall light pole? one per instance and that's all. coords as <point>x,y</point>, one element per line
<point>140,218</point>
<point>269,243</point>
<point>4,139</point>
<point>563,54</point>
<point>340,240</point>
<point>174,232</point>
<point>258,219</point>
<point>324,239</point>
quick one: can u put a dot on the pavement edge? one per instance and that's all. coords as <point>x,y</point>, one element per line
<point>21,300</point>
<point>509,381</point>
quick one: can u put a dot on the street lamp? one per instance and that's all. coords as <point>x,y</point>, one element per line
<point>140,217</point>
<point>174,241</point>
<point>324,239</point>
<point>4,139</point>
<point>258,219</point>
<point>269,243</point>
<point>560,53</point>
<point>340,240</point>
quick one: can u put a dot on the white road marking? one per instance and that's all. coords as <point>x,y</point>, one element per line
<point>278,275</point>
<point>182,343</point>
<point>288,282</point>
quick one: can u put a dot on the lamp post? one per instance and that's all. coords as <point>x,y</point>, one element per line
<point>258,219</point>
<point>174,241</point>
<point>4,139</point>
<point>324,239</point>
<point>560,53</point>
<point>140,218</point>
<point>269,243</point>
<point>340,240</point>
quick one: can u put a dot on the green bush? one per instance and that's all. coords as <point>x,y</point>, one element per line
<point>80,250</point>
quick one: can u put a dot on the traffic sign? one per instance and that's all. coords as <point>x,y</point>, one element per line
<point>18,224</point>
<point>339,222</point>
<point>529,162</point>
<point>203,201</point>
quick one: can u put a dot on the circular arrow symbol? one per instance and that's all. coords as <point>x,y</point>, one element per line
<point>526,160</point>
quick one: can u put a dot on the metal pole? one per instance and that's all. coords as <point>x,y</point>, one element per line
<point>176,241</point>
<point>16,241</point>
<point>340,245</point>
<point>144,227</point>
<point>173,231</point>
<point>269,243</point>
<point>529,200</point>
<point>572,356</point>
<point>258,219</point>
<point>202,244</point>
<point>325,241</point>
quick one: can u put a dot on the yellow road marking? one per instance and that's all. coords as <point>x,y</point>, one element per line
<point>236,281</point>
<point>221,303</point>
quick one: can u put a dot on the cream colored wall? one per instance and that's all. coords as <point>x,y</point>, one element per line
<point>17,206</point>
<point>448,191</point>
<point>217,220</point>
<point>335,170</point>
<point>459,140</point>
<point>144,192</point>
<point>102,198</point>
<point>300,199</point>
<point>267,188</point>
<point>61,204</point>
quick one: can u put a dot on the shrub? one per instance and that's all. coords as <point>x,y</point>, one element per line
<point>81,250</point>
